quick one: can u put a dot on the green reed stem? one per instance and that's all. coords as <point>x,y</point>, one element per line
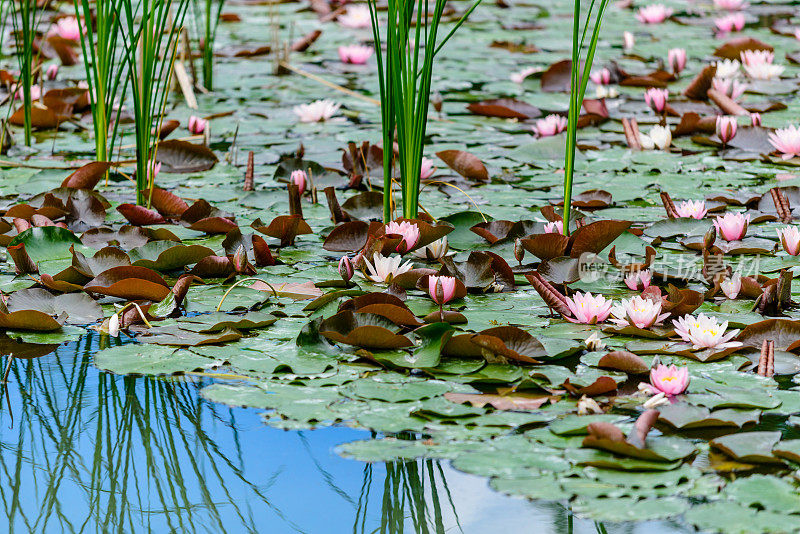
<point>578,83</point>
<point>25,23</point>
<point>105,67</point>
<point>210,24</point>
<point>150,34</point>
<point>404,76</point>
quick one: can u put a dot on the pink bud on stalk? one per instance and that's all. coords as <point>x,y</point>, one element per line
<point>676,57</point>
<point>656,98</point>
<point>726,128</point>
<point>346,268</point>
<point>197,125</point>
<point>300,179</point>
<point>441,289</point>
<point>790,239</point>
<point>628,41</point>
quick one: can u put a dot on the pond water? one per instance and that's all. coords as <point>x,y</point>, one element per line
<point>86,451</point>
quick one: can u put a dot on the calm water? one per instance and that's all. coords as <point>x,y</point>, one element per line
<point>85,451</point>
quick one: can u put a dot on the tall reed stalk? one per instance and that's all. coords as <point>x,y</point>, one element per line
<point>150,31</point>
<point>209,21</point>
<point>105,66</point>
<point>404,75</point>
<point>578,90</point>
<point>25,22</point>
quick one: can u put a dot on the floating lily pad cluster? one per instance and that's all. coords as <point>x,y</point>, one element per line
<point>238,271</point>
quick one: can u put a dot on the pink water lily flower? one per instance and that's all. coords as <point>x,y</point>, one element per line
<point>730,5</point>
<point>197,125</point>
<point>731,286</point>
<point>639,312</point>
<point>588,309</point>
<point>427,169</point>
<point>356,16</point>
<point>653,14</point>
<point>729,86</point>
<point>601,77</point>
<point>317,111</point>
<point>691,208</point>
<point>790,239</point>
<point>732,226</point>
<point>550,125</point>
<point>730,23</point>
<point>448,284</point>
<point>705,332</point>
<point>52,72</point>
<point>152,170</point>
<point>786,141</point>
<point>36,93</point>
<point>755,118</point>
<point>519,77</point>
<point>638,280</point>
<point>67,28</point>
<point>628,41</point>
<point>656,98</point>
<point>407,230</point>
<point>555,227</point>
<point>726,128</point>
<point>670,380</point>
<point>300,179</point>
<point>676,57</point>
<point>355,54</point>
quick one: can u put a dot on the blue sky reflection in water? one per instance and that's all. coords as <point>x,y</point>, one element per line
<point>88,451</point>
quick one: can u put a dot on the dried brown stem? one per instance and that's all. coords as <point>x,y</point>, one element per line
<point>781,205</point>
<point>726,103</point>
<point>249,173</point>
<point>669,205</point>
<point>552,297</point>
<point>631,133</point>
<point>337,215</point>
<point>295,207</point>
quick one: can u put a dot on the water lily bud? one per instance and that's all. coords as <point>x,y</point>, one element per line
<point>52,72</point>
<point>299,178</point>
<point>113,325</point>
<point>439,290</point>
<point>436,100</point>
<point>594,342</point>
<point>519,251</point>
<point>710,237</point>
<point>345,268</point>
<point>755,118</point>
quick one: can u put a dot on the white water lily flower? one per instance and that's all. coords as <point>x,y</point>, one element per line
<point>356,16</point>
<point>659,136</point>
<point>383,270</point>
<point>113,325</point>
<point>317,111</point>
<point>434,251</point>
<point>594,342</point>
<point>587,405</point>
<point>606,91</point>
<point>764,71</point>
<point>705,332</point>
<point>659,399</point>
<point>727,68</point>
